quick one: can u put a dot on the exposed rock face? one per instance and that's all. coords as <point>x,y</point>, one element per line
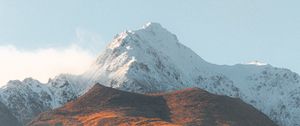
<point>108,106</point>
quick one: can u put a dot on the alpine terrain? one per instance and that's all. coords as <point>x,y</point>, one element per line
<point>194,107</point>
<point>150,60</point>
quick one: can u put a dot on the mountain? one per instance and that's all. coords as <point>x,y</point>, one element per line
<point>28,98</point>
<point>151,59</point>
<point>6,118</point>
<point>107,106</point>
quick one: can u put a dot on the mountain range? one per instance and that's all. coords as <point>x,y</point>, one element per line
<point>152,60</point>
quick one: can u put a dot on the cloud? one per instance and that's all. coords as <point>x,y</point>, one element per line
<point>43,63</point>
<point>89,40</point>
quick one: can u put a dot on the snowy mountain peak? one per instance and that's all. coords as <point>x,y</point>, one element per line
<point>17,83</point>
<point>151,34</point>
<point>155,30</point>
<point>152,25</point>
<point>257,63</point>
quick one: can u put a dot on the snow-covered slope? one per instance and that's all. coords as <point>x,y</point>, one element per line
<point>27,98</point>
<point>151,59</point>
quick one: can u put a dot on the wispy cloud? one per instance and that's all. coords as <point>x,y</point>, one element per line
<point>89,40</point>
<point>42,64</point>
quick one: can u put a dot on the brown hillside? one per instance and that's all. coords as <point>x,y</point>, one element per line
<point>107,106</point>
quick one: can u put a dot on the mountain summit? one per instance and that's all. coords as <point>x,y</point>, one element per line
<point>147,60</point>
<point>151,59</point>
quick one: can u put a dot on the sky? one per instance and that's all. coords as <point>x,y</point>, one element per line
<point>65,36</point>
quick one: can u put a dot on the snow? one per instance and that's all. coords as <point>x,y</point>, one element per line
<point>258,63</point>
<point>151,59</point>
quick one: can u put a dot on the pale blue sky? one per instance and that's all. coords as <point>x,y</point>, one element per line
<point>220,31</point>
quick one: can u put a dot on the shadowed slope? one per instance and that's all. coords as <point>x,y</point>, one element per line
<point>108,106</point>
<point>6,118</point>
